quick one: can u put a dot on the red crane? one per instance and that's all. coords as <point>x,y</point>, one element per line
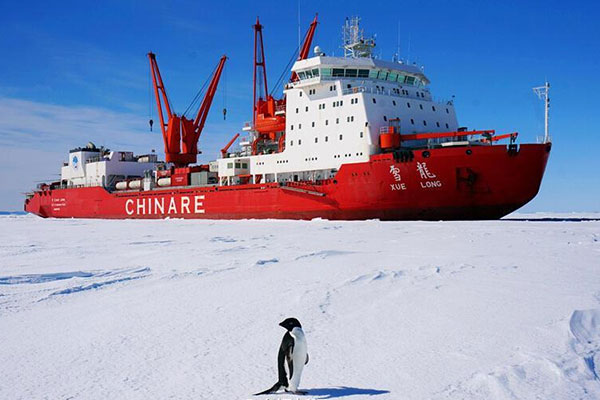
<point>268,117</point>
<point>303,54</point>
<point>180,134</point>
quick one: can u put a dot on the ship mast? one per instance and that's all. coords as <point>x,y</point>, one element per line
<point>354,43</point>
<point>542,93</point>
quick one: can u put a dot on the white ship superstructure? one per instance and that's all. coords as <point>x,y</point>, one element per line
<point>334,113</point>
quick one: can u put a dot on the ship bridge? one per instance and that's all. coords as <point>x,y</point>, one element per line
<point>314,70</point>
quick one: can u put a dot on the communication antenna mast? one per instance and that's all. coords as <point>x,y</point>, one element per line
<point>542,94</point>
<point>354,43</point>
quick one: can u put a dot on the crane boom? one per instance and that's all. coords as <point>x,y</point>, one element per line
<point>180,135</point>
<point>208,98</point>
<point>159,89</point>
<point>228,145</point>
<point>303,53</point>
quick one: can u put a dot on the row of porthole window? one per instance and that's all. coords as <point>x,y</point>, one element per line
<point>337,121</point>
<point>338,103</point>
<point>398,91</point>
<point>341,137</point>
<point>347,155</point>
<point>282,161</point>
<point>311,159</point>
<point>409,106</point>
<point>412,121</point>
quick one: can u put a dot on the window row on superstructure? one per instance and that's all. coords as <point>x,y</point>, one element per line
<point>325,138</point>
<point>377,74</point>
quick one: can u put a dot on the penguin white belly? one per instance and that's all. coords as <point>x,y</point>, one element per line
<point>298,358</point>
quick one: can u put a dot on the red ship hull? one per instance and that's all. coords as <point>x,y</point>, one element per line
<point>479,182</point>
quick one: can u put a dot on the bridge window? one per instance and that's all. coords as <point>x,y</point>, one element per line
<point>338,72</point>
<point>229,165</point>
<point>351,73</point>
<point>363,73</point>
<point>315,72</point>
<point>392,76</point>
<point>237,165</point>
<point>301,75</point>
<point>325,72</point>
<point>410,80</point>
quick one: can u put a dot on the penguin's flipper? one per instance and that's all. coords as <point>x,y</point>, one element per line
<point>273,389</point>
<point>290,361</point>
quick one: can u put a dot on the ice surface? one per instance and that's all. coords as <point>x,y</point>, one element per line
<point>392,310</point>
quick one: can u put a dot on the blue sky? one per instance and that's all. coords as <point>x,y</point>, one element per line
<point>74,71</point>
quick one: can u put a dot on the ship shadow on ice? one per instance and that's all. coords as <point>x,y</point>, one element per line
<point>344,391</point>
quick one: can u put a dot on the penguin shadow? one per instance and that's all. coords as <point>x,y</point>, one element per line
<point>343,391</point>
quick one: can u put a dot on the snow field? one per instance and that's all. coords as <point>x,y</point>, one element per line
<point>189,309</point>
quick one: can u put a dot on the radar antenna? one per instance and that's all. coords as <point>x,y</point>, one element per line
<point>542,93</point>
<point>355,45</point>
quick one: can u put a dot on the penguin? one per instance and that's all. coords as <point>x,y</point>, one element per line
<point>292,356</point>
